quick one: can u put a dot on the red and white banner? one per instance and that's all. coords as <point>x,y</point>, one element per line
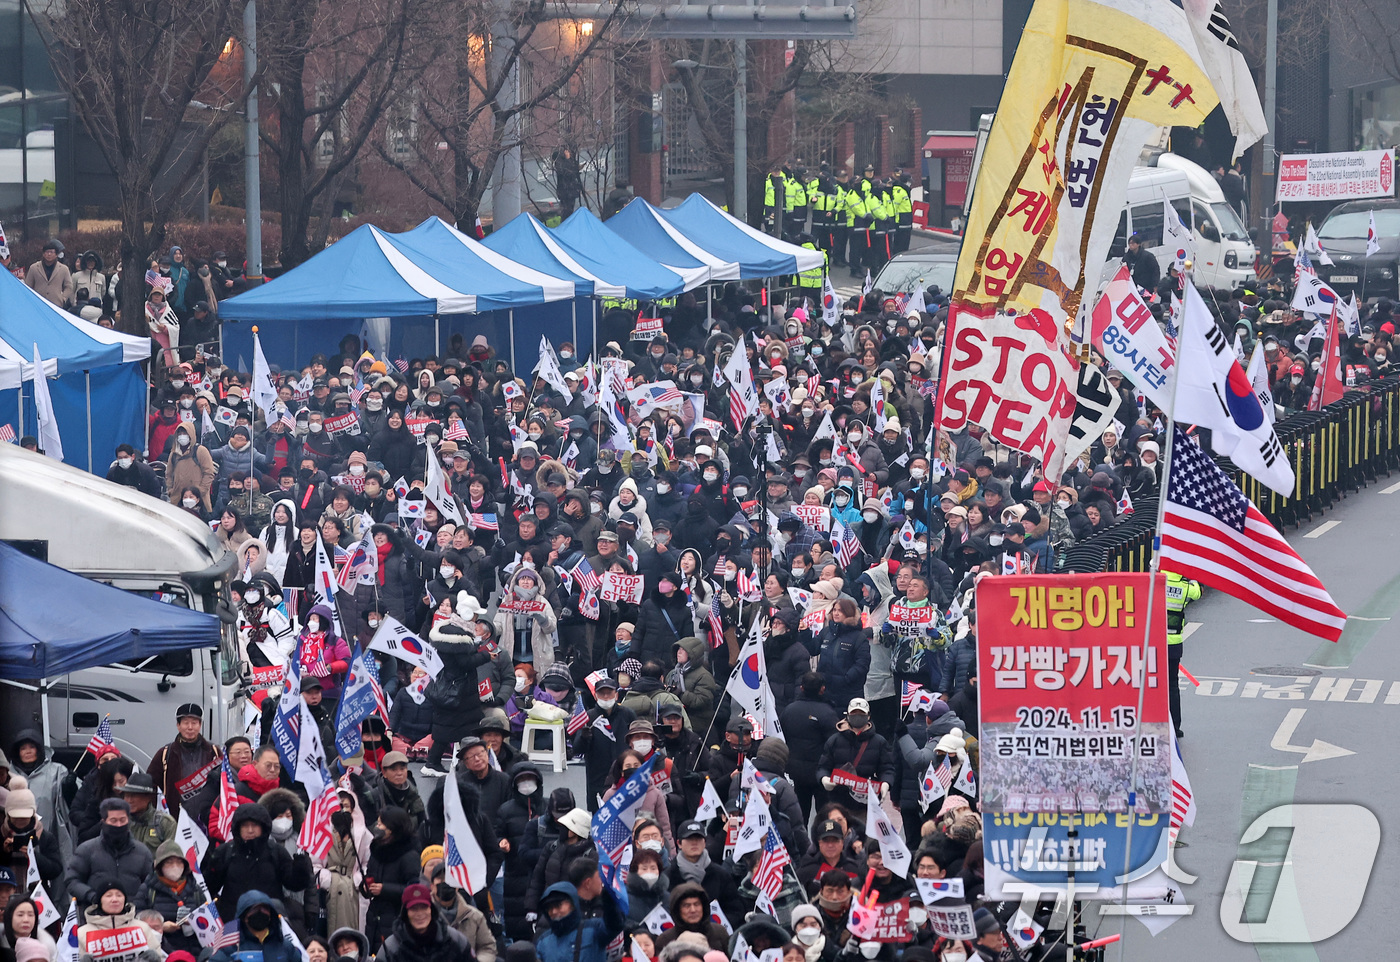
<point>620,587</point>
<point>1124,331</point>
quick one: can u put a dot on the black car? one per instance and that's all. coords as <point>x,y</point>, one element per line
<point>1343,235</point>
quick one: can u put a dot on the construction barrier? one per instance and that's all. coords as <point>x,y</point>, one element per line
<point>1335,451</point>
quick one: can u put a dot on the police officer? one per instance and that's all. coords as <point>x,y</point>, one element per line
<point>859,220</point>
<point>1180,593</point>
<point>809,282</point>
<point>881,211</point>
<point>819,201</point>
<point>869,181</point>
<point>774,200</point>
<point>903,213</point>
<point>795,208</point>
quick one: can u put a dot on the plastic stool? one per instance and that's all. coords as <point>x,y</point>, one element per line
<point>556,754</point>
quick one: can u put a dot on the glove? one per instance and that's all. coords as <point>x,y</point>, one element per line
<point>828,784</point>
<point>884,792</point>
<point>852,946</point>
<point>726,599</point>
<point>531,916</point>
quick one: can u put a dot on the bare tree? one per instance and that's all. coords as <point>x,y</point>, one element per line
<point>470,114</point>
<point>331,73</point>
<point>133,69</point>
<point>1375,24</point>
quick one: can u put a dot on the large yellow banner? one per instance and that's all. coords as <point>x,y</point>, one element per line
<point>1091,83</point>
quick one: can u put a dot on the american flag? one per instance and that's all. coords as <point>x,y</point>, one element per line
<point>222,816</point>
<point>768,876</point>
<point>714,621</point>
<point>748,585</point>
<point>1183,802</point>
<point>1212,533</point>
<point>483,522</point>
<point>381,703</point>
<point>356,393</point>
<point>944,774</point>
<point>907,692</point>
<point>401,364</point>
<point>456,431</point>
<point>288,420</point>
<point>7,433</point>
<point>654,396</point>
<point>583,575</point>
<point>316,835</point>
<point>578,719</point>
<point>102,738</point>
<point>845,542</point>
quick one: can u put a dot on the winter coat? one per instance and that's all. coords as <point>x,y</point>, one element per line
<point>339,874</point>
<point>440,943</point>
<point>46,778</point>
<point>398,450</point>
<point>453,694</point>
<point>166,772</point>
<point>694,684</point>
<point>96,860</point>
<point>842,749</point>
<point>56,288</point>
<point>542,628</point>
<point>807,724</point>
<point>514,819</point>
<point>661,624</point>
<point>393,863</point>
<point>788,660</point>
<point>471,923</point>
<point>239,867</point>
<point>574,938</point>
<point>481,800</point>
<point>96,920</point>
<point>190,467</point>
<point>275,948</point>
<point>844,662</point>
<point>171,899</point>
<point>916,750</point>
<point>712,931</point>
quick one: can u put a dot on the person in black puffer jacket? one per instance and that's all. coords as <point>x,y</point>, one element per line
<point>914,750</point>
<point>663,621</point>
<point>395,447</point>
<point>174,898</point>
<point>788,659</point>
<point>251,861</point>
<point>544,829</point>
<point>807,723</point>
<point>453,694</point>
<point>436,941</point>
<point>393,866</point>
<point>515,817</point>
<point>574,842</point>
<point>399,587</point>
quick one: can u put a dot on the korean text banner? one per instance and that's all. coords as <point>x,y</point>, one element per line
<point>1091,83</point>
<point>1348,175</point>
<point>1057,658</point>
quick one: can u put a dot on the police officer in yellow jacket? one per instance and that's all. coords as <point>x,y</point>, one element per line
<point>840,218</point>
<point>858,216</point>
<point>1180,593</point>
<point>795,212</point>
<point>774,200</point>
<point>882,227</point>
<point>903,214</point>
<point>809,282</point>
<point>820,201</point>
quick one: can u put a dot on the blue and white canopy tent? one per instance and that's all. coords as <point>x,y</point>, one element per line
<point>92,367</point>
<point>644,226</point>
<point>758,255</point>
<point>609,255</point>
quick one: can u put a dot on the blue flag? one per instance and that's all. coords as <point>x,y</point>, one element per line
<point>612,829</point>
<point>286,722</point>
<point>357,702</point>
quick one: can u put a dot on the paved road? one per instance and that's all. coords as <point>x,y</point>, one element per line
<point>1257,675</point>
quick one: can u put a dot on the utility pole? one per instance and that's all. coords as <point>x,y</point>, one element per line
<point>252,185</point>
<point>1266,191</point>
<point>741,129</point>
<point>505,192</point>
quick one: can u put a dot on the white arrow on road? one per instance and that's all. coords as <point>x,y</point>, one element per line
<point>1318,751</point>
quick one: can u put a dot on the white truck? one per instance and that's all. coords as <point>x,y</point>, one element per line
<point>119,536</point>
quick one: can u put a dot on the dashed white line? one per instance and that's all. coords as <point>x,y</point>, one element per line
<point>1392,489</point>
<point>1322,529</point>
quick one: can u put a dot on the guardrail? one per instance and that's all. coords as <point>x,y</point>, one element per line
<point>1340,449</point>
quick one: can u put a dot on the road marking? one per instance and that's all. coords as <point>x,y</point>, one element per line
<point>1384,602</point>
<point>1319,750</point>
<point>1190,629</point>
<point>1261,621</point>
<point>1274,768</point>
<point>1361,618</point>
<point>1392,489</point>
<point>1322,529</point>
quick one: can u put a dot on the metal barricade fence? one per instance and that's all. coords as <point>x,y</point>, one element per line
<point>1340,449</point>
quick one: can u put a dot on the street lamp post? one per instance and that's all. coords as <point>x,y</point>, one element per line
<point>741,123</point>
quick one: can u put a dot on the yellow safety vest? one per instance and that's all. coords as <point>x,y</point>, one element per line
<point>902,203</point>
<point>818,200</point>
<point>796,195</point>
<point>813,278</point>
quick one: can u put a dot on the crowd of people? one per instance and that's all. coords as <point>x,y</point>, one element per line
<point>479,507</point>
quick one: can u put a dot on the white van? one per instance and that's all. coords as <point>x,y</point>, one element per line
<point>127,539</point>
<point>1224,254</point>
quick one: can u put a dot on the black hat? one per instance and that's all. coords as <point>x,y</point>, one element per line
<point>829,829</point>
<point>202,306</point>
<point>739,725</point>
<point>309,682</point>
<point>961,476</point>
<point>140,783</point>
<point>691,830</point>
<point>189,710</point>
<point>1032,515</point>
<point>468,743</point>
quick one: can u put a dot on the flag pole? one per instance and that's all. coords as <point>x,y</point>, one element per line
<point>1152,569</point>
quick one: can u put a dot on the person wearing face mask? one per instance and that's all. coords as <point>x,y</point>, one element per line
<point>718,501</point>
<point>173,892</point>
<point>189,466</point>
<point>113,854</point>
<point>646,885</point>
<point>132,472</point>
<point>691,681</point>
<point>458,913</point>
<point>260,932</point>
<point>642,742</point>
<point>393,866</point>
<point>664,619</point>
<point>806,925</point>
<point>603,739</point>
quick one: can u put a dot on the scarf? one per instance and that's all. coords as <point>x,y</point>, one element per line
<point>313,648</point>
<point>693,871</point>
<point>384,550</point>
